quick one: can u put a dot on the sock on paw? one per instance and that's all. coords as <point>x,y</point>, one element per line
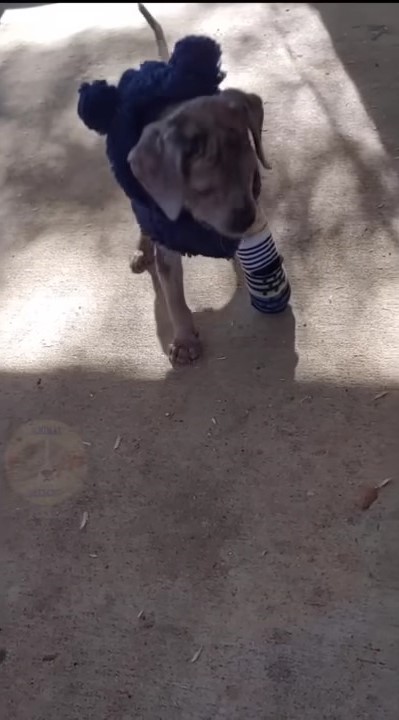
<point>264,272</point>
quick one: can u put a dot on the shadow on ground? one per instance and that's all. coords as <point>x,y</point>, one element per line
<point>228,517</point>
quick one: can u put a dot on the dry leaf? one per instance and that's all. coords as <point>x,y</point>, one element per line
<point>381,395</point>
<point>84,520</point>
<point>369,497</point>
<point>371,494</point>
<point>196,655</point>
<point>117,442</point>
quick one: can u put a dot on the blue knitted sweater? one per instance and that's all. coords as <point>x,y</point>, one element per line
<point>121,112</point>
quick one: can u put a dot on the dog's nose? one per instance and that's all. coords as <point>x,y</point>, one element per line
<point>243,218</point>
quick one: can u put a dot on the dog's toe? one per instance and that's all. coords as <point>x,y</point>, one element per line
<point>184,351</point>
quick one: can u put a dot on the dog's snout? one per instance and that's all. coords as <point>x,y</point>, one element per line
<point>242,218</point>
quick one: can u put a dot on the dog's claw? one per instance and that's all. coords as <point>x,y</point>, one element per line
<point>185,350</point>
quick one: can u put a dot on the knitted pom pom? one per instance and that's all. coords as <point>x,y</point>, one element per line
<point>97,104</point>
<point>200,57</point>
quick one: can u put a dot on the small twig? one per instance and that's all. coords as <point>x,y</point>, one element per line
<point>196,655</point>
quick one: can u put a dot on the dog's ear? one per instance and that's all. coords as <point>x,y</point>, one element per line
<point>250,106</point>
<point>255,114</point>
<point>157,164</point>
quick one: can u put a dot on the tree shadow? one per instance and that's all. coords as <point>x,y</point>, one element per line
<point>364,37</point>
<point>333,192</point>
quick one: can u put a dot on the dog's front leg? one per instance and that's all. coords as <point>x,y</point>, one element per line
<point>186,346</point>
<point>143,257</point>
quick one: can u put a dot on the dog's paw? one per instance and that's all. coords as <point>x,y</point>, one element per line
<point>185,350</point>
<point>140,262</point>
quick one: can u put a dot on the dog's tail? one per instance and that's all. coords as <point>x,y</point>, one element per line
<point>158,32</point>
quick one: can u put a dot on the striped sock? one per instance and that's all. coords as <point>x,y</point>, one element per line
<point>264,272</point>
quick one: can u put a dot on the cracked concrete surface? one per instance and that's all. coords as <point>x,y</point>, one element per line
<point>228,516</point>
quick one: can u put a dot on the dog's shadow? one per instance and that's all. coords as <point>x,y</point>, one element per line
<point>237,331</point>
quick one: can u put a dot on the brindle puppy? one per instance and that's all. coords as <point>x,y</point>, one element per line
<point>198,156</point>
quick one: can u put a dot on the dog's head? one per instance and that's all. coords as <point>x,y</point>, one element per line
<point>200,157</point>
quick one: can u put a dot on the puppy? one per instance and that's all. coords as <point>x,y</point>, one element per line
<point>198,156</point>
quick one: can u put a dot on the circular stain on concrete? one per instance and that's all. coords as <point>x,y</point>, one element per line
<point>45,462</point>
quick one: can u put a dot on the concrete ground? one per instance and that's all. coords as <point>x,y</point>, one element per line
<point>222,500</point>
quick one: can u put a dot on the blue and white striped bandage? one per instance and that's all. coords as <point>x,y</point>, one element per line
<point>264,272</point>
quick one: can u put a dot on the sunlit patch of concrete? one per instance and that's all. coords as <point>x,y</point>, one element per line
<point>319,137</point>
